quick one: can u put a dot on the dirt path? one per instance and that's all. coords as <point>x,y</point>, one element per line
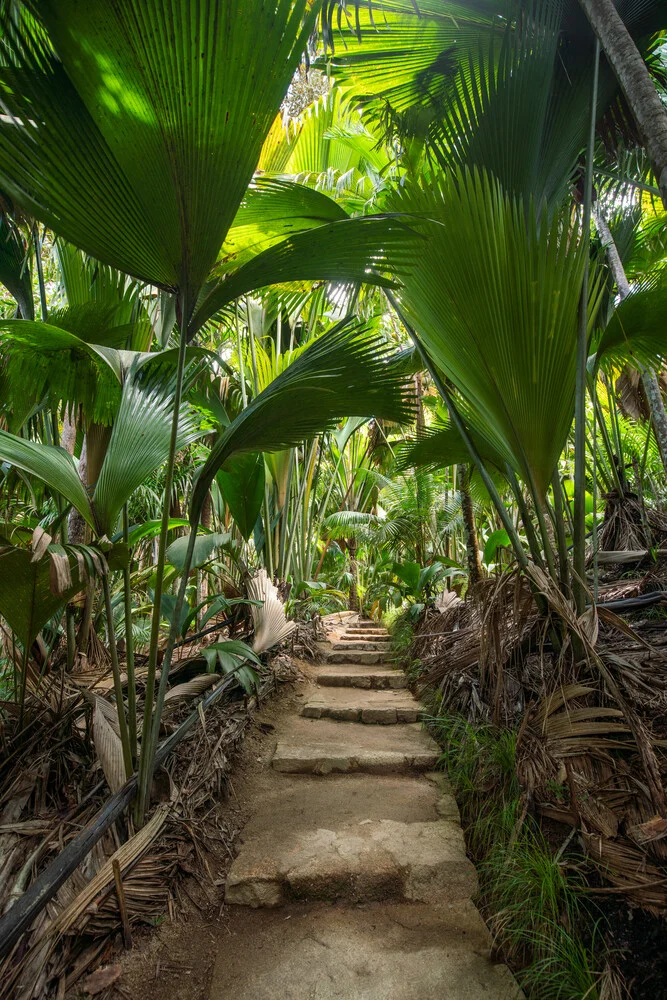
<point>351,880</point>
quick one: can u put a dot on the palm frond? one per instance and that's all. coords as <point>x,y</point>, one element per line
<point>132,129</point>
<point>139,445</point>
<point>370,250</point>
<point>344,372</point>
<point>52,465</point>
<point>472,300</point>
<point>635,333</point>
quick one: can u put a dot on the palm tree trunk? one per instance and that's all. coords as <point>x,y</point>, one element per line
<point>635,82</point>
<point>657,408</point>
<point>353,601</point>
<point>649,381</point>
<point>470,529</point>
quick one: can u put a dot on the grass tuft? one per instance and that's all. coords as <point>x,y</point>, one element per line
<point>533,901</point>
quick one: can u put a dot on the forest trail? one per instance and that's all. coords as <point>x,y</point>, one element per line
<point>352,881</point>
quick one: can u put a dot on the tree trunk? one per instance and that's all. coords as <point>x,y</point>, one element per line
<point>657,408</point>
<point>76,526</point>
<point>649,381</point>
<point>635,81</point>
<point>470,529</point>
<point>68,436</point>
<point>419,399</point>
<point>353,602</point>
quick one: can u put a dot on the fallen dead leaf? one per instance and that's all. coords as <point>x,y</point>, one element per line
<point>102,979</point>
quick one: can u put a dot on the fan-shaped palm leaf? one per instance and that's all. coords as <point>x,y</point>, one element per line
<point>635,332</point>
<point>139,445</point>
<point>132,129</point>
<point>360,250</point>
<point>494,303</point>
<point>52,465</point>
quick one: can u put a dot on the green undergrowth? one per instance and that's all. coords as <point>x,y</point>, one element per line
<point>400,623</point>
<point>533,901</point>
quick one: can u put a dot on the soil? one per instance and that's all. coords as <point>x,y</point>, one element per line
<point>638,938</point>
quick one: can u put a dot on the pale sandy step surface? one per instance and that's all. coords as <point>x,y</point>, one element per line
<point>377,635</point>
<point>367,706</point>
<point>354,643</point>
<point>372,952</point>
<point>323,746</point>
<point>355,675</point>
<point>356,837</point>
<point>346,655</point>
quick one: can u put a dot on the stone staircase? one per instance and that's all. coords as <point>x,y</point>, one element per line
<point>354,830</point>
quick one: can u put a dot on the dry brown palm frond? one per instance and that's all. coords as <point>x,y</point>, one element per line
<point>60,919</point>
<point>642,736</point>
<point>625,866</point>
<point>612,985</point>
<point>190,689</point>
<point>109,748</point>
<point>270,620</point>
<point>470,650</point>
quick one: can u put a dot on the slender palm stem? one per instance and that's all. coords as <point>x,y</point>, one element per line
<point>40,272</point>
<point>146,760</point>
<point>129,646</point>
<point>117,685</point>
<point>522,506</point>
<point>559,525</point>
<point>579,552</point>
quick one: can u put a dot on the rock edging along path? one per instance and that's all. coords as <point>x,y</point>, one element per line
<point>352,880</point>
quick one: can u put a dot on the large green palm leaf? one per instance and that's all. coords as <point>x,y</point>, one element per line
<point>370,249</point>
<point>138,446</point>
<point>494,303</point>
<point>132,128</point>
<point>345,371</point>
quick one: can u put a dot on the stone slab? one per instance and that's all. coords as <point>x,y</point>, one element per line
<point>371,707</point>
<point>344,643</point>
<point>354,675</point>
<point>365,860</point>
<point>323,746</point>
<point>360,633</point>
<point>355,656</point>
<point>374,952</point>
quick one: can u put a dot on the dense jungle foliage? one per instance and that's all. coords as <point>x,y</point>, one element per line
<point>369,296</point>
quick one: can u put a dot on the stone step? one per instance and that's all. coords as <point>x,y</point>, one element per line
<point>376,633</point>
<point>366,626</point>
<point>404,951</point>
<point>323,746</point>
<point>382,640</point>
<point>378,707</point>
<point>352,675</point>
<point>347,655</point>
<point>371,646</point>
<point>355,838</point>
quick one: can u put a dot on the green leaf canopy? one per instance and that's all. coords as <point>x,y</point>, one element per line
<point>133,128</point>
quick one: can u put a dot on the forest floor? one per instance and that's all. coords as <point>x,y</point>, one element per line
<point>350,878</point>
